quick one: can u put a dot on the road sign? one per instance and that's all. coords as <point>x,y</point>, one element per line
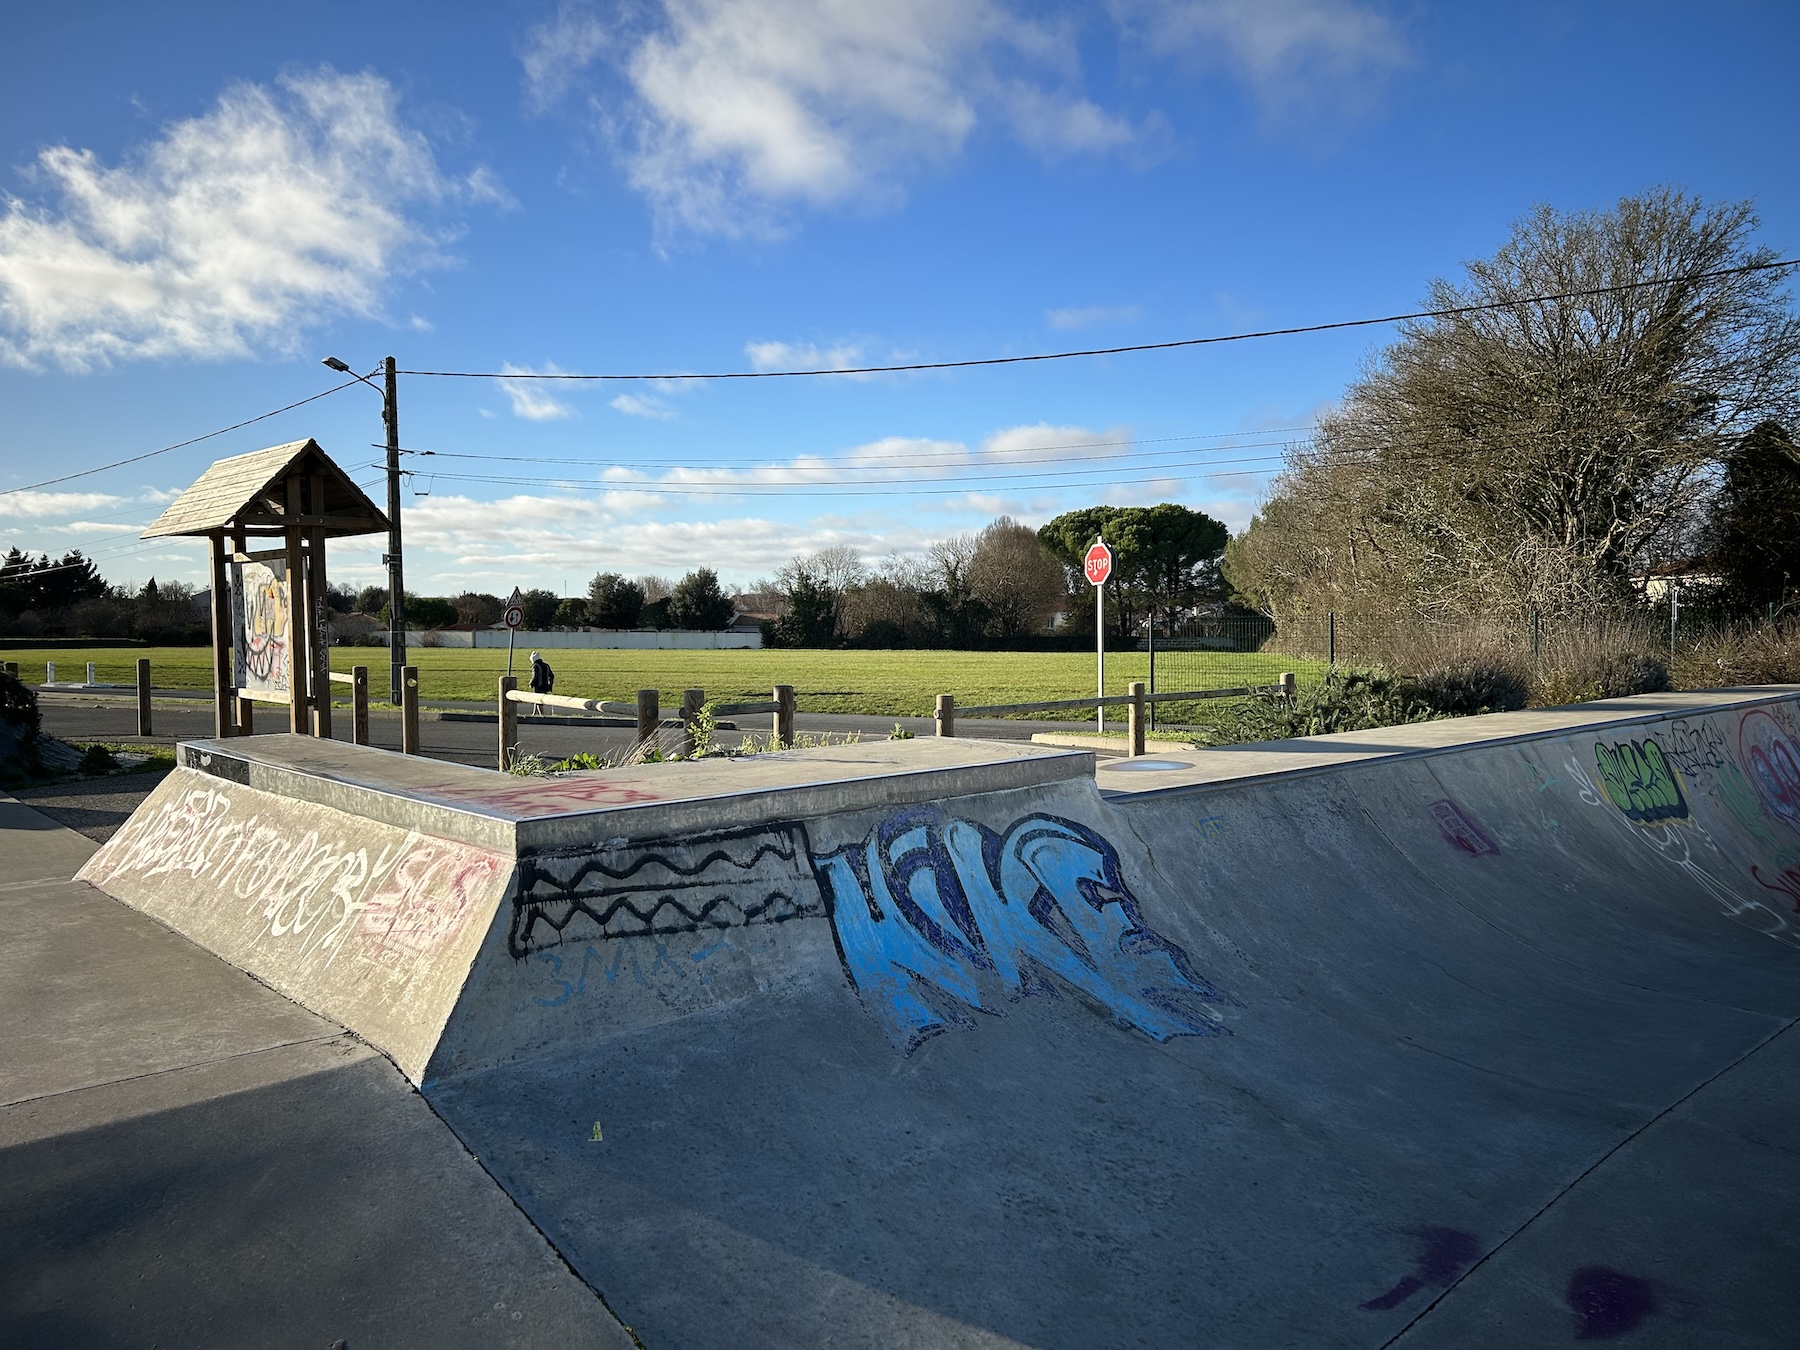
<point>1098,563</point>
<point>515,610</point>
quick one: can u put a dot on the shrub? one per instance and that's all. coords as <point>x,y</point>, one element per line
<point>1475,683</point>
<point>97,759</point>
<point>1764,653</point>
<point>19,706</point>
<point>1600,660</point>
<point>1353,700</point>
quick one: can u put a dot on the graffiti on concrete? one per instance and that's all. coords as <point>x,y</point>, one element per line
<point>321,894</point>
<point>1444,1253</point>
<point>1211,828</point>
<point>730,879</point>
<point>1786,884</point>
<point>528,798</point>
<point>1460,832</point>
<point>1772,760</point>
<point>1638,779</point>
<point>1697,749</point>
<point>928,910</point>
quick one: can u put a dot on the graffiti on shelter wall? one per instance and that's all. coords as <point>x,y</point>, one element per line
<point>262,612</point>
<point>301,887</point>
<point>731,879</point>
<point>934,915</point>
<point>1772,761</point>
<point>1638,779</point>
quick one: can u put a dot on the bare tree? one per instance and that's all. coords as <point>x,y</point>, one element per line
<point>1538,450</point>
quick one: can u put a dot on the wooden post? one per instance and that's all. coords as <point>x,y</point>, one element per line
<point>1287,684</point>
<point>299,668</point>
<point>1134,717</point>
<point>224,690</point>
<point>692,701</point>
<point>409,710</point>
<point>784,716</point>
<point>509,723</point>
<point>143,691</point>
<point>246,707</point>
<point>318,612</point>
<point>649,715</point>
<point>359,705</point>
<point>11,668</point>
<point>946,714</point>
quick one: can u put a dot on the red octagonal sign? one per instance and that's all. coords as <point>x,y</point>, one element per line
<point>1098,563</point>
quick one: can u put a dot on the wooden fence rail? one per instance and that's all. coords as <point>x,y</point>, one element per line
<point>648,711</point>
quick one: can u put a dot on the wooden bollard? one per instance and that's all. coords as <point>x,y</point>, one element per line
<point>649,715</point>
<point>509,724</point>
<point>143,693</point>
<point>1134,718</point>
<point>1287,684</point>
<point>784,716</point>
<point>359,705</point>
<point>692,701</point>
<point>946,714</point>
<point>409,710</point>
<point>246,717</point>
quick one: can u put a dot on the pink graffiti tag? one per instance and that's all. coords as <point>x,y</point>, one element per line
<point>541,797</point>
<point>1772,760</point>
<point>1786,884</point>
<point>1460,832</point>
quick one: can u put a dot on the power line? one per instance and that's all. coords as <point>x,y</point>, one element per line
<point>179,445</point>
<point>1449,313</point>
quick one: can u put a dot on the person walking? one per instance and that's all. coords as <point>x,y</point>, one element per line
<point>543,679</point>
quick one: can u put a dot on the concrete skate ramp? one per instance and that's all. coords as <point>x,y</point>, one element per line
<point>1470,1033</point>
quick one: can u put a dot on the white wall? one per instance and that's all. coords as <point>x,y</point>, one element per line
<point>591,639</point>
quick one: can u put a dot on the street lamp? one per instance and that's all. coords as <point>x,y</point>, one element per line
<point>390,414</point>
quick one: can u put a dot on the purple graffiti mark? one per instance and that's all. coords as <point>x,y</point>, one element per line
<point>1786,884</point>
<point>936,917</point>
<point>1444,1254</point>
<point>1773,762</point>
<point>1460,832</point>
<point>1608,1303</point>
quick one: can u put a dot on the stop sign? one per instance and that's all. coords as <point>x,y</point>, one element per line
<point>1098,563</point>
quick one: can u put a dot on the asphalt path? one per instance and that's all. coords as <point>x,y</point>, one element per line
<point>181,716</point>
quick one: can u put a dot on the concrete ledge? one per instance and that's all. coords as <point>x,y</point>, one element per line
<point>1095,741</point>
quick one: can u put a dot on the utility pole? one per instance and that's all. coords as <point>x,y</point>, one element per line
<point>390,413</point>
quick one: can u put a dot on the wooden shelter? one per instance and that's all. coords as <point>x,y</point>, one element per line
<point>297,495</point>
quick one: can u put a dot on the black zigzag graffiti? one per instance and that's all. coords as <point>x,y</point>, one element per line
<point>729,879</point>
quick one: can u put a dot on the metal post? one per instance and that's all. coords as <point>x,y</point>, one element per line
<point>1134,717</point>
<point>1152,665</point>
<point>1331,638</point>
<point>649,715</point>
<point>49,672</point>
<point>390,413</point>
<point>1100,653</point>
<point>143,691</point>
<point>946,715</point>
<point>692,701</point>
<point>409,710</point>
<point>1674,615</point>
<point>90,675</point>
<point>784,716</point>
<point>1536,642</point>
<point>509,724</point>
<point>359,705</point>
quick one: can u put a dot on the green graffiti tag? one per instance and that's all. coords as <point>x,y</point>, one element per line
<point>1640,782</point>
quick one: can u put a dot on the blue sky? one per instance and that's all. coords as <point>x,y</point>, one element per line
<point>204,200</point>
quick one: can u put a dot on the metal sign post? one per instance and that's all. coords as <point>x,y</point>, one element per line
<point>514,616</point>
<point>1097,567</point>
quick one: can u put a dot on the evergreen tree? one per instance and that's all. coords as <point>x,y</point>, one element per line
<point>1756,539</point>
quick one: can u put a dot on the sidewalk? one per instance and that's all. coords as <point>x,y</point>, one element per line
<point>187,1158</point>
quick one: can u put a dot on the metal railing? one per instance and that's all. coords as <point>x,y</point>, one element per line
<point>648,711</point>
<point>1137,702</point>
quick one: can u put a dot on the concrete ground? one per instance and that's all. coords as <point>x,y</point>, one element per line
<point>189,1159</point>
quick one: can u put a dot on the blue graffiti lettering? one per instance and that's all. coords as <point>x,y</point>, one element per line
<point>928,910</point>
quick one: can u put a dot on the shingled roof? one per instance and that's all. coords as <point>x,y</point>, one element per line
<point>250,490</point>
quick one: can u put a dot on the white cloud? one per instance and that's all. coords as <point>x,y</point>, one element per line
<point>1297,55</point>
<point>531,399</point>
<point>279,208</point>
<point>636,405</point>
<point>801,356</point>
<point>734,108</point>
<point>1064,319</point>
<point>40,505</point>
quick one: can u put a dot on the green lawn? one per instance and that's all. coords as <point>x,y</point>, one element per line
<point>878,683</point>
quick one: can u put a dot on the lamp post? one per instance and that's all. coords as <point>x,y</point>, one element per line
<point>390,416</point>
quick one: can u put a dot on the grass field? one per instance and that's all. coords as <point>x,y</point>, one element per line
<point>875,683</point>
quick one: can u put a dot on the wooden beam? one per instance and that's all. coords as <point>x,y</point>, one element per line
<point>317,611</point>
<point>298,666</point>
<point>246,709</point>
<point>224,723</point>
